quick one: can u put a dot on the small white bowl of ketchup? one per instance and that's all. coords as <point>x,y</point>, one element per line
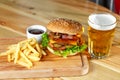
<point>36,31</point>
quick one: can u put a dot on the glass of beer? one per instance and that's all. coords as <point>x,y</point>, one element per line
<point>100,34</point>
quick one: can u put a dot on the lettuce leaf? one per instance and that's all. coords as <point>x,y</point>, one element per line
<point>45,40</point>
<point>71,50</point>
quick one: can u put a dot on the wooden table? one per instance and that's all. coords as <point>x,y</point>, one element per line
<point>17,15</point>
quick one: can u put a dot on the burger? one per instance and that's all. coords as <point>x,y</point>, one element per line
<point>64,37</point>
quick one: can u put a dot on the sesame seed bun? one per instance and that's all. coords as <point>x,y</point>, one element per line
<point>63,25</point>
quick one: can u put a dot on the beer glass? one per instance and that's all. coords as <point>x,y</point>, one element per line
<point>100,34</point>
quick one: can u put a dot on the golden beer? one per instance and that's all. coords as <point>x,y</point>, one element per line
<point>100,34</point>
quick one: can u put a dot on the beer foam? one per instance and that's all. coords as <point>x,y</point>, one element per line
<point>102,21</point>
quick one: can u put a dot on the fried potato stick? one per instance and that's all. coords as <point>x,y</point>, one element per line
<point>26,59</point>
<point>23,63</point>
<point>16,54</point>
<point>33,50</point>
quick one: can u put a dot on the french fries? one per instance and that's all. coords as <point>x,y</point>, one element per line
<point>24,53</point>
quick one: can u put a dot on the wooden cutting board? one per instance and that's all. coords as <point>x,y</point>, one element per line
<point>50,65</point>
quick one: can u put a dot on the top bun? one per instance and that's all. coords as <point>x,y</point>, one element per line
<point>63,25</point>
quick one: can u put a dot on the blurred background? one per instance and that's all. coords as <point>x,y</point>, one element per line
<point>113,5</point>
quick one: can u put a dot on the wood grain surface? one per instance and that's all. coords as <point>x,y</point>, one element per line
<point>49,66</point>
<point>24,13</point>
<point>17,15</point>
